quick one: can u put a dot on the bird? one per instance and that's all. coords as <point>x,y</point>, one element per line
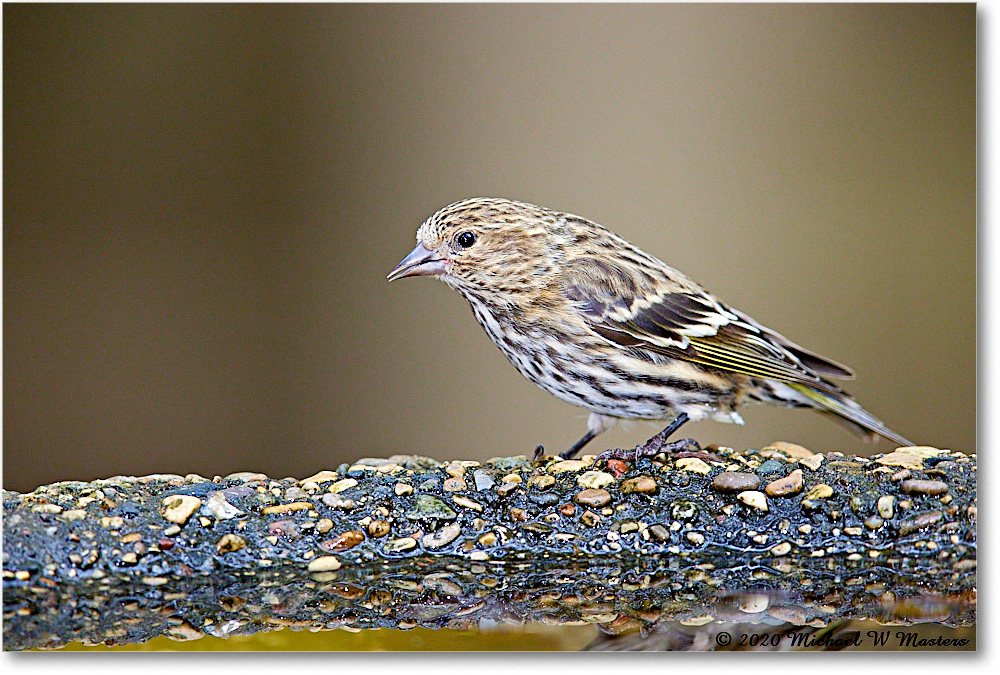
<point>603,325</point>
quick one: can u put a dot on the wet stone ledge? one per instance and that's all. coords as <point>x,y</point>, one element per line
<point>777,535</point>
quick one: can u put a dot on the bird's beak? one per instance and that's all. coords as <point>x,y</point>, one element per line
<point>420,263</point>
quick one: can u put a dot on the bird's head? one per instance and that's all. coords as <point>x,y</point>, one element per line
<point>481,246</point>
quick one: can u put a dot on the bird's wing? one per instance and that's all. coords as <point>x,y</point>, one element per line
<point>682,321</point>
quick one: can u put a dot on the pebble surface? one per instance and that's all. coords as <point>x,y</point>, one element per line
<point>510,510</point>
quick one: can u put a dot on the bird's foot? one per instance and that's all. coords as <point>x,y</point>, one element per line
<point>654,445</point>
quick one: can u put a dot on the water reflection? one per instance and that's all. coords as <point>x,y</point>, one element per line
<point>651,605</point>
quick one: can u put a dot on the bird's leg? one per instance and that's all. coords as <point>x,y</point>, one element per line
<point>539,451</point>
<point>596,425</point>
<point>587,438</point>
<point>657,443</point>
<point>654,445</point>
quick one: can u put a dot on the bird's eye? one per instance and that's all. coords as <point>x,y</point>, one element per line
<point>465,239</point>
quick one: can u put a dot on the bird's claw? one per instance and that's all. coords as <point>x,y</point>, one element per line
<point>648,449</point>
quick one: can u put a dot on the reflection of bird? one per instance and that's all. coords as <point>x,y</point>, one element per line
<point>589,317</point>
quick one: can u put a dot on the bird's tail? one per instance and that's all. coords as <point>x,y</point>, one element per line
<point>845,409</point>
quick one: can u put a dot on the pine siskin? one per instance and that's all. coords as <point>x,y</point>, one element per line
<point>599,323</point>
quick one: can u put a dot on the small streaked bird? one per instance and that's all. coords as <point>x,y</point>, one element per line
<point>601,324</point>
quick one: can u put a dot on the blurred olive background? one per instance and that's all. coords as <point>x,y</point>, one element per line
<point>201,204</point>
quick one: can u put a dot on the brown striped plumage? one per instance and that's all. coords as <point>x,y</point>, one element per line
<point>601,324</point>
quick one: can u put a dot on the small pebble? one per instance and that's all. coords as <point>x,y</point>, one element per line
<point>178,508</point>
<point>754,499</point>
<point>402,489</point>
<point>378,528</point>
<point>295,494</point>
<point>925,451</point>
<point>617,467</point>
<point>441,537</point>
<point>360,469</point>
<point>506,488</point>
<point>694,465</point>
<point>642,484</point>
<point>886,506</point>
<point>542,481</point>
<point>217,507</point>
<point>284,528</point>
<point>324,525</point>
<point>791,450</point>
<point>735,481</point>
<point>589,518</point>
<point>47,508</point>
<point>488,539</point>
<point>595,479</point>
<point>398,545</point>
<point>568,465</point>
<point>595,498</point>
<point>924,487</point>
<point>813,462</point>
<point>484,481</point>
<point>874,522</point>
<point>789,485</point>
<point>784,548</point>
<point>337,502</point>
<point>285,508</point>
<point>544,499</point>
<point>821,491</point>
<point>430,507</point>
<point>455,470</point>
<point>321,477</point>
<point>659,532</point>
<point>343,541</point>
<point>454,485</point>
<point>920,522</point>
<point>341,485</point>
<point>246,476</point>
<point>324,563</point>
<point>696,538</point>
<point>902,459</point>
<point>467,503</point>
<point>771,466</point>
<point>229,543</point>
